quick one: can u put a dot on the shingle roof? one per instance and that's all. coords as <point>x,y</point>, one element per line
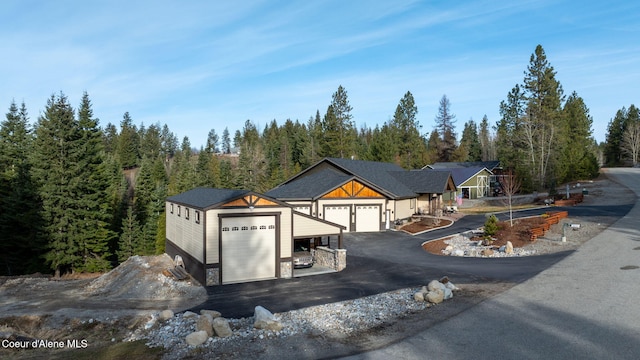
<point>206,197</point>
<point>390,179</point>
<point>377,174</point>
<point>490,165</point>
<point>424,181</point>
<point>460,175</point>
<point>310,186</point>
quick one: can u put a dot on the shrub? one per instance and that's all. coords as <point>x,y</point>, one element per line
<point>491,226</point>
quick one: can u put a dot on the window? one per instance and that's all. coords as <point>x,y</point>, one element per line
<point>245,228</point>
<point>186,213</point>
<point>253,227</point>
<point>413,203</point>
<point>263,227</point>
<point>178,210</point>
<point>226,228</point>
<point>271,227</point>
<point>171,208</point>
<point>235,228</point>
<point>197,217</point>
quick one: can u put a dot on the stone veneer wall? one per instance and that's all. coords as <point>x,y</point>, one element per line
<point>213,276</point>
<point>332,258</point>
<point>286,270</point>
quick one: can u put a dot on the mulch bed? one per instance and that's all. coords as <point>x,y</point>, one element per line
<point>424,225</point>
<point>518,234</point>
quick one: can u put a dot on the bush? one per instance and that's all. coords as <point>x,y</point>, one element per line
<point>491,226</point>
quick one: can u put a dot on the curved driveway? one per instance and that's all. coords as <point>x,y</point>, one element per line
<point>385,261</point>
<point>586,306</point>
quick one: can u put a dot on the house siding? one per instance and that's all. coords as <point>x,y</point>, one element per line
<point>185,233</point>
<point>403,208</point>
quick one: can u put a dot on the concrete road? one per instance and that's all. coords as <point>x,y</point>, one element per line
<point>586,306</point>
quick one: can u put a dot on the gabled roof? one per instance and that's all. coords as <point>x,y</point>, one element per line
<point>389,179</point>
<point>206,197</point>
<point>490,165</point>
<point>461,175</point>
<point>311,186</point>
<point>424,181</point>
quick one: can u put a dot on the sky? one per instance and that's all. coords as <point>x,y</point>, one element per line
<point>203,65</point>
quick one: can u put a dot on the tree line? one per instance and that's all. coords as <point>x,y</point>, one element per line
<point>78,197</point>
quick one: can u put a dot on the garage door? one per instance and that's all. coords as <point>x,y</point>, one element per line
<point>303,209</point>
<point>248,248</point>
<point>340,215</point>
<point>367,218</point>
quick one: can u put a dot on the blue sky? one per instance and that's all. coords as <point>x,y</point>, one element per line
<point>202,65</point>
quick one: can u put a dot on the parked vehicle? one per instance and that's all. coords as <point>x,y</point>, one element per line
<point>302,257</point>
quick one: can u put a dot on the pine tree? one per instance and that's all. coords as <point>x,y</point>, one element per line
<point>21,247</point>
<point>128,143</point>
<point>92,178</point>
<point>226,141</point>
<point>130,238</point>
<point>54,158</point>
<point>339,131</point>
<point>445,123</point>
<point>471,141</point>
<point>409,144</point>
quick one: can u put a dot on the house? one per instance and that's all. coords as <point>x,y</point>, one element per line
<point>363,195</point>
<point>228,236</point>
<point>473,179</point>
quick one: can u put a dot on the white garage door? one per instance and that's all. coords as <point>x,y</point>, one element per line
<point>248,248</point>
<point>303,209</point>
<point>368,218</point>
<point>340,215</point>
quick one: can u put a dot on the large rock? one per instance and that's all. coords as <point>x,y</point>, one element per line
<point>435,285</point>
<point>197,338</point>
<point>435,296</point>
<point>457,252</point>
<point>487,252</point>
<point>166,315</point>
<point>419,296</point>
<point>205,323</point>
<point>264,319</point>
<point>189,315</point>
<point>508,248</point>
<point>221,327</point>
<point>214,314</point>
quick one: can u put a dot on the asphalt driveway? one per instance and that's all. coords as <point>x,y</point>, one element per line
<point>385,261</point>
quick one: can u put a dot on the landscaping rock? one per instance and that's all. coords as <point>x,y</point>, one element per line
<point>487,252</point>
<point>264,319</point>
<point>166,315</point>
<point>457,252</point>
<point>419,296</point>
<point>221,327</point>
<point>214,314</point>
<point>509,248</point>
<point>205,323</point>
<point>197,338</point>
<point>435,296</point>
<point>189,315</point>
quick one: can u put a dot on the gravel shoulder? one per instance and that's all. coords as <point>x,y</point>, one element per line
<point>127,298</point>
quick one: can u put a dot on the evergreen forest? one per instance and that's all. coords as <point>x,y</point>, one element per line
<point>78,196</point>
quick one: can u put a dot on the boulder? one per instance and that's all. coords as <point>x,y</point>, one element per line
<point>450,285</point>
<point>435,285</point>
<point>166,315</point>
<point>419,296</point>
<point>189,315</point>
<point>448,294</point>
<point>205,323</point>
<point>435,296</point>
<point>264,319</point>
<point>214,314</point>
<point>221,327</point>
<point>487,252</point>
<point>508,248</point>
<point>196,338</point>
<point>457,252</point>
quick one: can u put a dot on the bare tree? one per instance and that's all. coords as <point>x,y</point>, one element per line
<point>631,141</point>
<point>510,184</point>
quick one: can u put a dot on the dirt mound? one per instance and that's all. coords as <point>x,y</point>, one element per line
<point>140,277</point>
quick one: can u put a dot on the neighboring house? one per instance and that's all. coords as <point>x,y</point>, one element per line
<point>228,236</point>
<point>473,179</point>
<point>364,195</point>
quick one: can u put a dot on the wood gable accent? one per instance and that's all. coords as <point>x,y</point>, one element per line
<point>352,189</point>
<point>250,200</point>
